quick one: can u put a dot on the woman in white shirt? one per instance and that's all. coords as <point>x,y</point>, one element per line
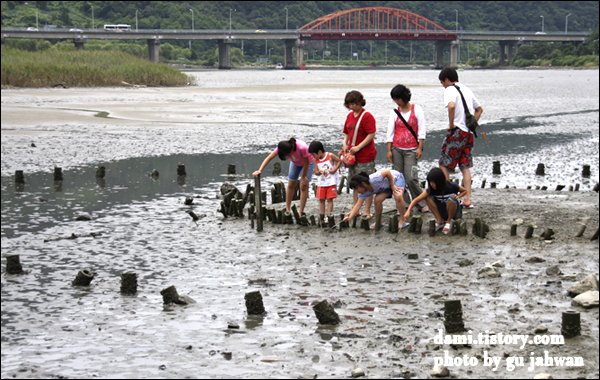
<point>404,144</point>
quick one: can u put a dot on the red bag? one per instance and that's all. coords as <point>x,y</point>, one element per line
<point>348,158</point>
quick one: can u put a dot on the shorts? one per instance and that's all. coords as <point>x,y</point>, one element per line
<point>457,149</point>
<point>296,171</point>
<point>327,192</point>
<point>400,183</point>
<point>357,168</point>
<point>444,211</point>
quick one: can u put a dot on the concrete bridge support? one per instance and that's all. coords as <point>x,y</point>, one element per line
<point>291,62</point>
<point>508,48</point>
<point>153,45</point>
<point>79,43</point>
<point>225,54</point>
<point>454,53</point>
<point>440,46</point>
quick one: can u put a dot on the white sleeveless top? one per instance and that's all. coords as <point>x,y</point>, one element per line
<point>326,179</point>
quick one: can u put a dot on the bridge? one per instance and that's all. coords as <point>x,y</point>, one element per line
<point>372,23</point>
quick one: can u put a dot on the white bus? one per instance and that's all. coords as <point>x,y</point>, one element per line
<point>117,28</point>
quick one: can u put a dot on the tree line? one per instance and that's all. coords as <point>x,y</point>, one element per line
<point>254,15</point>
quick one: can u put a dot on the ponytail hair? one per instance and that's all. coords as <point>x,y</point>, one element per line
<point>358,179</point>
<point>285,148</point>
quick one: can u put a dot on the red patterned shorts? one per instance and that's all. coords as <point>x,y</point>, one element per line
<point>457,149</point>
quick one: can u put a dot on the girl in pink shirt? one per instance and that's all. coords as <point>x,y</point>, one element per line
<point>301,162</point>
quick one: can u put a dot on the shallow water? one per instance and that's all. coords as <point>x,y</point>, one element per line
<point>52,329</point>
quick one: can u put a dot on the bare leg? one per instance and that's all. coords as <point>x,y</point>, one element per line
<point>451,208</point>
<point>368,203</point>
<point>303,196</point>
<point>329,206</point>
<point>434,210</point>
<point>401,205</point>
<point>446,172</point>
<point>289,195</point>
<point>467,184</point>
<point>379,202</point>
<point>322,206</point>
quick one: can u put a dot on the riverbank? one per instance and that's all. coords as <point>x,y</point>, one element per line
<point>52,68</point>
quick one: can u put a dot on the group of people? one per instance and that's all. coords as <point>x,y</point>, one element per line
<point>406,134</point>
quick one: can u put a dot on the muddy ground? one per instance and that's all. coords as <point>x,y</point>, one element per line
<point>391,307</point>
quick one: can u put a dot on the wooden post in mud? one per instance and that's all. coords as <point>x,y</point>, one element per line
<point>529,232</point>
<point>58,176</point>
<point>296,214</point>
<point>128,283</point>
<point>453,321</point>
<point>19,177</point>
<point>431,228</point>
<point>330,220</point>
<point>586,173</point>
<point>463,228</point>
<point>581,230</point>
<point>13,265</point>
<point>254,303</point>
<point>170,295</point>
<point>541,169</point>
<point>513,229</point>
<point>230,169</point>
<point>181,170</point>
<point>571,324</point>
<point>287,218</point>
<point>595,235</point>
<point>276,169</point>
<point>313,221</point>
<point>377,221</point>
<point>391,223</point>
<point>258,204</point>
<point>83,278</point>
<point>101,172</point>
<point>496,168</point>
<point>326,313</point>
<point>364,223</point>
<point>483,183</point>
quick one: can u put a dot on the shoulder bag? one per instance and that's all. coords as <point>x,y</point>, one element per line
<point>407,125</point>
<point>471,121</point>
<point>348,159</point>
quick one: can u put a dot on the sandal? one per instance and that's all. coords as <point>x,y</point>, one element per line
<point>369,216</point>
<point>402,225</point>
<point>425,209</point>
<point>439,226</point>
<point>446,229</point>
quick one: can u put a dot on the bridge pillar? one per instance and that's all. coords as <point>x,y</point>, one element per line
<point>299,54</point>
<point>79,43</point>
<point>507,49</point>
<point>454,53</point>
<point>439,54</point>
<point>288,61</point>
<point>153,45</point>
<point>225,54</point>
<point>502,58</point>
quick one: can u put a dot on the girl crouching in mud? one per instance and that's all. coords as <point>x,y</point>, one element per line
<point>302,165</point>
<point>383,185</point>
<point>443,198</point>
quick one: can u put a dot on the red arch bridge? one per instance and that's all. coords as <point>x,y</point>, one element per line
<point>372,23</point>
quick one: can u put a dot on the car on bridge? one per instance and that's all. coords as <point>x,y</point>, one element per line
<point>32,29</point>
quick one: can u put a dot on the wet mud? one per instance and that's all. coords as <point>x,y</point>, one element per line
<point>388,289</point>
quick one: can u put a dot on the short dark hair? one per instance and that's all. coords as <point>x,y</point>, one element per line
<point>315,147</point>
<point>358,179</point>
<point>401,92</point>
<point>354,97</point>
<point>448,73</point>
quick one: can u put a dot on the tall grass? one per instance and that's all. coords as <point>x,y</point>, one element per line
<point>84,69</point>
